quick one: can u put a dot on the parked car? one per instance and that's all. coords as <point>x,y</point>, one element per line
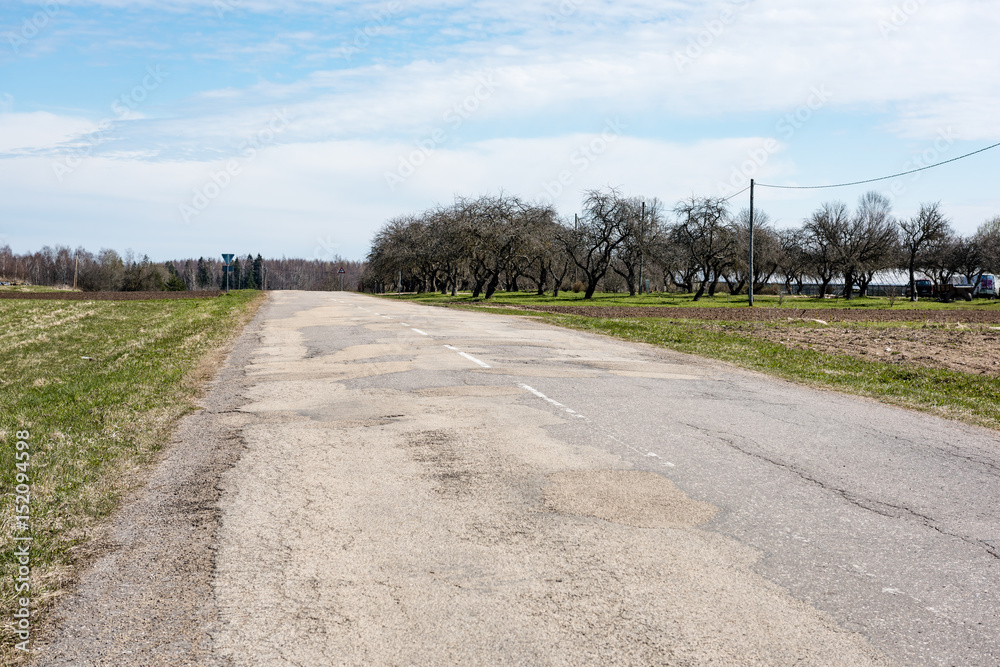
<point>924,288</point>
<point>987,286</point>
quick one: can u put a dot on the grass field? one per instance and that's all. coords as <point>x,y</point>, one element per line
<point>29,288</point>
<point>98,385</point>
<point>851,357</point>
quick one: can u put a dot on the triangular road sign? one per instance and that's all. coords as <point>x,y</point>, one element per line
<point>228,258</point>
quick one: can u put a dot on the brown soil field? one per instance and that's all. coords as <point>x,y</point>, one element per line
<point>989,315</point>
<point>108,296</point>
<point>955,347</point>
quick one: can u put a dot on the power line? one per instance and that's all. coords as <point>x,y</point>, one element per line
<point>871,180</point>
<point>737,194</point>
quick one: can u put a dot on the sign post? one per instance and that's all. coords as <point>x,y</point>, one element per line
<point>341,272</point>
<point>227,267</point>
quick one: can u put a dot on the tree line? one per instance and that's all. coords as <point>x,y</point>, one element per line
<point>107,270</point>
<point>621,242</point>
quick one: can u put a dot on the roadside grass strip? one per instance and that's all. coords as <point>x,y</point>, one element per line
<point>99,385</point>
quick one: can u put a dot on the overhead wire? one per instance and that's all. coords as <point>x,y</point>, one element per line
<point>738,193</point>
<point>871,180</point>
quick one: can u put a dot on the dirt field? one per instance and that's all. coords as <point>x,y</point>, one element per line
<point>957,347</point>
<point>965,341</point>
<point>66,295</point>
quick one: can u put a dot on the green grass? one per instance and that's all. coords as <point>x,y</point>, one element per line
<point>30,288</point>
<point>99,385</point>
<point>687,301</point>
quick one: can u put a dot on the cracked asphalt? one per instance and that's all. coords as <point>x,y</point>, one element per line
<point>375,482</point>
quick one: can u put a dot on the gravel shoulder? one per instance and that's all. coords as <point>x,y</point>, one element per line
<point>147,599</point>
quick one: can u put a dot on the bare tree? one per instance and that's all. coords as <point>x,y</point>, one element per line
<point>544,254</point>
<point>987,239</point>
<point>927,228</point>
<point>968,258</point>
<point>869,242</point>
<point>643,229</point>
<point>824,234</point>
<point>793,260</point>
<point>767,252</point>
<point>591,245</point>
<point>704,230</point>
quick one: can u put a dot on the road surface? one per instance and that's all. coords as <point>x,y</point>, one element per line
<point>376,482</point>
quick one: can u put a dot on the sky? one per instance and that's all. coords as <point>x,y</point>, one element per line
<point>178,128</point>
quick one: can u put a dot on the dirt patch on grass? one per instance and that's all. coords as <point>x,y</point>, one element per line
<point>990,314</point>
<point>967,349</point>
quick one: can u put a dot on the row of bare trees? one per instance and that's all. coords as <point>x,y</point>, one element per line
<point>503,242</point>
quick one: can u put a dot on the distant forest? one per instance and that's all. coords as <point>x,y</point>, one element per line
<point>108,271</point>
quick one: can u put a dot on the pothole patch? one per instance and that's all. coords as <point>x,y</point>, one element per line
<point>628,497</point>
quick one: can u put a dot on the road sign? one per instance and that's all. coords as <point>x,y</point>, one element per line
<point>341,270</point>
<point>227,267</point>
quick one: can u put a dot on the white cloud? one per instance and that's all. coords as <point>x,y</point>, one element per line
<point>39,130</point>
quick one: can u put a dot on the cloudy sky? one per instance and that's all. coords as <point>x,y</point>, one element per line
<point>181,128</point>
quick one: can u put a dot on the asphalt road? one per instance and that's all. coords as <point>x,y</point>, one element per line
<point>378,482</point>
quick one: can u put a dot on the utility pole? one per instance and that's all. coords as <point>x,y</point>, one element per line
<point>750,272</point>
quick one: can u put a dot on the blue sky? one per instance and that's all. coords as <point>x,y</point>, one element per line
<point>181,128</point>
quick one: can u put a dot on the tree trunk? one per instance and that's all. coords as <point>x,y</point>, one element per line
<point>700,292</point>
<point>848,285</point>
<point>714,284</point>
<point>823,286</point>
<point>491,287</point>
<point>542,277</point>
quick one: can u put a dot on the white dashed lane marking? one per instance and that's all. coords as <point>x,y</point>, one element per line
<point>562,407</point>
<point>467,356</point>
